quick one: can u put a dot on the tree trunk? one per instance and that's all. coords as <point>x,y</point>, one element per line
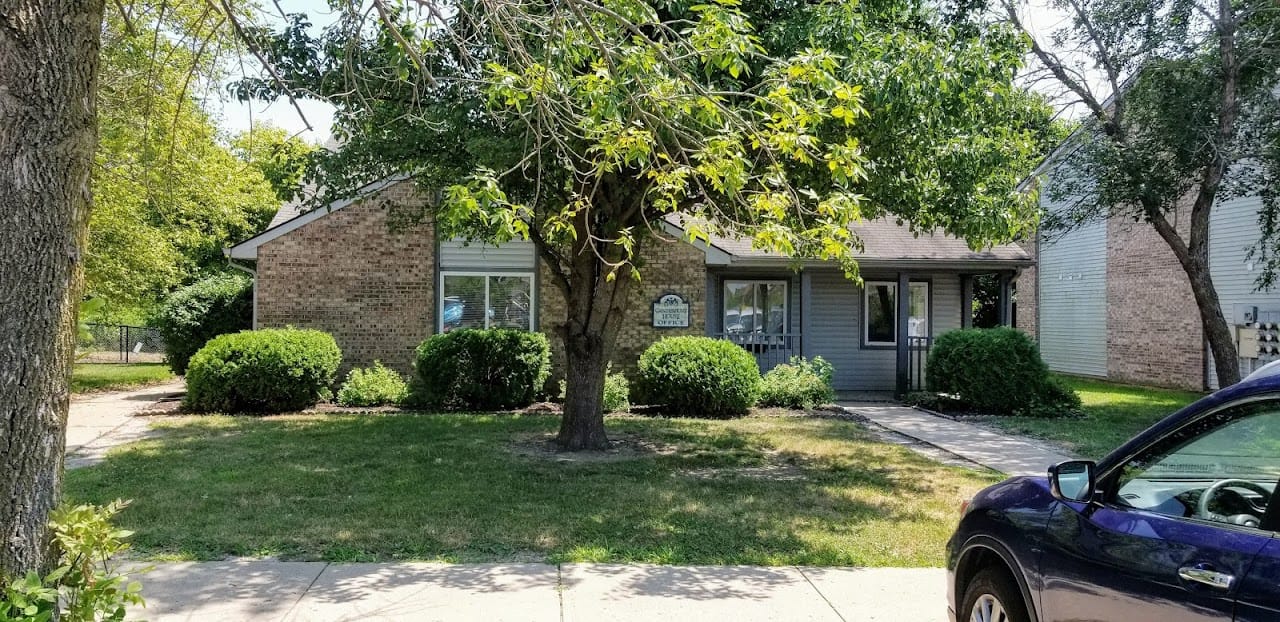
<point>1226,361</point>
<point>582,425</point>
<point>596,307</point>
<point>48,131</point>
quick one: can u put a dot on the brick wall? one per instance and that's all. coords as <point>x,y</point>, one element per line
<point>348,274</point>
<point>1154,335</point>
<point>1028,293</point>
<point>666,266</point>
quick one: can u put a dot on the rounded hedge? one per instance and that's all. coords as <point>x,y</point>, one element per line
<point>699,377</point>
<point>194,314</point>
<point>997,371</point>
<point>262,371</point>
<point>474,369</point>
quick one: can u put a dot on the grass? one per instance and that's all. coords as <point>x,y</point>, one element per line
<point>1112,414</point>
<point>458,488</point>
<point>88,377</point>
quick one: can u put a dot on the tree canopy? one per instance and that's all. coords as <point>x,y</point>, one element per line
<point>168,193</point>
<point>1181,112</point>
<point>582,126</point>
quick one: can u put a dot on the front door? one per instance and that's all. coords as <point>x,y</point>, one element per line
<point>1177,529</point>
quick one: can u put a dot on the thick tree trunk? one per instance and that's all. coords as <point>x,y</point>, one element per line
<point>582,426</point>
<point>595,309</point>
<point>48,131</point>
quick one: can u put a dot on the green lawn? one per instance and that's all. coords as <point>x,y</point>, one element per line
<point>109,376</point>
<point>1112,414</point>
<point>469,488</point>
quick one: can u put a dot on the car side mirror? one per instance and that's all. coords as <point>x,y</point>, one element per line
<point>1072,480</point>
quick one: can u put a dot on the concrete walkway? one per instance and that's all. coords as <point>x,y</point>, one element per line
<point>99,421</point>
<point>1008,454</point>
<point>316,591</point>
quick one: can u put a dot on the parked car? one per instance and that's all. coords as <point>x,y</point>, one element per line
<point>1177,525</point>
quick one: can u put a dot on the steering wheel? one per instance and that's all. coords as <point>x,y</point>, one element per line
<point>1248,520</point>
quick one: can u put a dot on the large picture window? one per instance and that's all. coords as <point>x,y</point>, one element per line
<point>755,307</point>
<point>880,312</point>
<point>477,300</point>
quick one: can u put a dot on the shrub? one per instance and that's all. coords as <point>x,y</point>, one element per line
<point>85,585</point>
<point>997,371</point>
<point>194,314</point>
<point>472,369</point>
<point>262,371</point>
<point>617,393</point>
<point>699,377</point>
<point>798,384</point>
<point>373,386</point>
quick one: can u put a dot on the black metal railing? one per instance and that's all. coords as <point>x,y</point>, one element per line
<point>917,358</point>
<point>119,343</point>
<point>770,350</point>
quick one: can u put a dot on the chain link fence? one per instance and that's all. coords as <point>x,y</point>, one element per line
<point>112,343</point>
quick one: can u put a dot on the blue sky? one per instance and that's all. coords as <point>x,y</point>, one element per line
<point>236,117</point>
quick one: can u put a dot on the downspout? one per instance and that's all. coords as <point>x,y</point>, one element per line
<point>253,274</point>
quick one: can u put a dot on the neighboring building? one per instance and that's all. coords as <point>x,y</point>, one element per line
<point>1109,299</point>
<point>381,287</point>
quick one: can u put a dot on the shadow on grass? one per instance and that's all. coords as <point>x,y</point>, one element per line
<point>448,488</point>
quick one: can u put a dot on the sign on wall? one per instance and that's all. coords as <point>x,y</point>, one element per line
<point>671,311</point>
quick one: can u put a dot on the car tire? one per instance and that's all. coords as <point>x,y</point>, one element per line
<point>992,596</point>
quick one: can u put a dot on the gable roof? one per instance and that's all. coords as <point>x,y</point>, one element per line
<point>884,241</point>
<point>290,217</point>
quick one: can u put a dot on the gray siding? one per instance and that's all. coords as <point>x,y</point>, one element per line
<point>833,328</point>
<point>1073,300</point>
<point>1233,230</point>
<point>514,255</point>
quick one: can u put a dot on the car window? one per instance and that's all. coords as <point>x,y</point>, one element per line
<point>1222,468</point>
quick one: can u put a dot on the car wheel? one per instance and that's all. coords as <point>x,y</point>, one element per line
<point>992,596</point>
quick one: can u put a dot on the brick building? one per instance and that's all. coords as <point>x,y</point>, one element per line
<point>357,271</point>
<point>1109,299</point>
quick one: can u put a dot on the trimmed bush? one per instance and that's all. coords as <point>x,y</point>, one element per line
<point>373,386</point>
<point>997,371</point>
<point>194,314</point>
<point>798,384</point>
<point>700,377</point>
<point>472,369</point>
<point>262,371</point>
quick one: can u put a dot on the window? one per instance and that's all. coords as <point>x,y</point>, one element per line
<point>755,307</point>
<point>475,300</point>
<point>880,310</point>
<point>1221,468</point>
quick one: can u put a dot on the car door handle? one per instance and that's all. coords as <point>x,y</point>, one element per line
<point>1206,575</point>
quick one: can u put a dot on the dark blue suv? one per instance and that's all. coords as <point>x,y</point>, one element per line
<point>1177,525</point>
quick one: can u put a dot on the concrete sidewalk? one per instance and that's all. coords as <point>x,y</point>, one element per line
<point>1008,454</point>
<point>316,591</point>
<point>99,421</point>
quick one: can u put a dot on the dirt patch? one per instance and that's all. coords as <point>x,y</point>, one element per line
<point>623,446</point>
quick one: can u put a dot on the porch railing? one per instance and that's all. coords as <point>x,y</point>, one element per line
<point>917,357</point>
<point>770,350</point>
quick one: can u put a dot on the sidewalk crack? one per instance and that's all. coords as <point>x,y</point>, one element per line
<point>824,596</point>
<point>560,588</point>
<point>306,591</point>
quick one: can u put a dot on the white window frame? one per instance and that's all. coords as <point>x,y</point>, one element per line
<point>893,285</point>
<point>786,301</point>
<point>440,294</point>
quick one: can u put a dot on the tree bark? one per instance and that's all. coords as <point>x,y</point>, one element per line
<point>48,132</point>
<point>596,307</point>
